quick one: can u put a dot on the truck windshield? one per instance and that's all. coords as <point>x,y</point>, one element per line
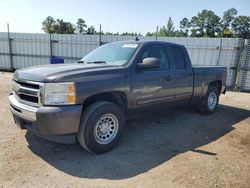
<point>112,54</point>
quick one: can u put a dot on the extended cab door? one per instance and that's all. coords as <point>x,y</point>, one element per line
<point>183,74</point>
<point>154,85</point>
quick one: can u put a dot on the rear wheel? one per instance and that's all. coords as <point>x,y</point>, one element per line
<point>210,102</point>
<point>101,127</point>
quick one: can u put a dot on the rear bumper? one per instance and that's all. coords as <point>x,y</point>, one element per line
<point>50,122</point>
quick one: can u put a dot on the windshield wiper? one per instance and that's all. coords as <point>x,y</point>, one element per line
<point>97,62</point>
<point>80,61</point>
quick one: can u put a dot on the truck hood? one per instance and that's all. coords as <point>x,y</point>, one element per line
<point>50,73</point>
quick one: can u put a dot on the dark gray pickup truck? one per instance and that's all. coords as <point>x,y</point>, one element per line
<point>89,100</point>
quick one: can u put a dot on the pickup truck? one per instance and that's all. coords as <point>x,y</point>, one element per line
<point>89,100</point>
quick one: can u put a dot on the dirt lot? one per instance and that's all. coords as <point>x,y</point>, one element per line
<point>181,148</point>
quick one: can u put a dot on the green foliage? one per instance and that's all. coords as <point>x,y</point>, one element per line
<point>61,27</point>
<point>49,25</point>
<point>205,24</point>
<point>208,24</point>
<point>109,33</point>
<point>149,34</point>
<point>180,33</point>
<point>168,30</point>
<point>226,22</point>
<point>91,30</point>
<point>81,26</point>
<point>184,27</point>
<point>130,34</point>
<point>241,26</point>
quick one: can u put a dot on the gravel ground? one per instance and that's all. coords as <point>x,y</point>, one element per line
<point>179,148</point>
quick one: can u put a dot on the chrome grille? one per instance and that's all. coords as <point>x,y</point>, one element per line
<point>27,92</point>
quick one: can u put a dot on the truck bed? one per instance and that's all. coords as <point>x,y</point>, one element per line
<point>203,75</point>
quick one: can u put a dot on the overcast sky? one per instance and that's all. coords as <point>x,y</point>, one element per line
<point>114,15</point>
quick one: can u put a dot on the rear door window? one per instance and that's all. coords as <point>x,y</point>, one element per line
<point>178,57</point>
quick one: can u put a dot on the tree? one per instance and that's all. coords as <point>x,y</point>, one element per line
<point>69,28</point>
<point>109,33</point>
<point>130,34</point>
<point>213,25</point>
<point>168,30</point>
<point>91,30</point>
<point>81,26</point>
<point>180,33</point>
<point>48,25</point>
<point>205,24</point>
<point>227,19</point>
<point>149,34</point>
<point>61,27</point>
<point>241,26</point>
<point>184,27</point>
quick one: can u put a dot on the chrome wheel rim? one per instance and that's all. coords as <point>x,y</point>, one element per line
<point>212,100</point>
<point>106,128</point>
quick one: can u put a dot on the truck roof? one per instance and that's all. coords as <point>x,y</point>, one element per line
<point>149,42</point>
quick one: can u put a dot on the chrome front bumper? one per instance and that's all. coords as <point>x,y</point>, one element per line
<point>46,120</point>
<point>22,110</point>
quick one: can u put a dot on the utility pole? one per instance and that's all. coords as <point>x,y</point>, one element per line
<point>10,48</point>
<point>156,32</point>
<point>100,35</point>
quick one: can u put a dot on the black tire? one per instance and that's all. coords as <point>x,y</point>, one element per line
<point>204,106</point>
<point>92,118</point>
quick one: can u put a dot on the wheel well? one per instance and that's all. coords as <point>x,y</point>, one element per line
<point>116,97</point>
<point>217,84</point>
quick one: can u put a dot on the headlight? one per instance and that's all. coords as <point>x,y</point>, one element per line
<point>59,93</point>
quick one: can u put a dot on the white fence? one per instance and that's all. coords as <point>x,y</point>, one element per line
<point>19,50</point>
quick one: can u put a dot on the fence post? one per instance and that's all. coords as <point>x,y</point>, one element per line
<point>10,49</point>
<point>156,32</point>
<point>50,46</point>
<point>100,35</point>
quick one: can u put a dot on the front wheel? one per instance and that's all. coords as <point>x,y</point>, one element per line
<point>210,102</point>
<point>101,127</point>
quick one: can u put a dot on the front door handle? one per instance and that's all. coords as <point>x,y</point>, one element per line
<point>168,78</point>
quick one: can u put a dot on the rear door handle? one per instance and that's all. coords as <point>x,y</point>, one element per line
<point>168,78</point>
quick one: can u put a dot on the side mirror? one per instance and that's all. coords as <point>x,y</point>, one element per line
<point>150,62</point>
